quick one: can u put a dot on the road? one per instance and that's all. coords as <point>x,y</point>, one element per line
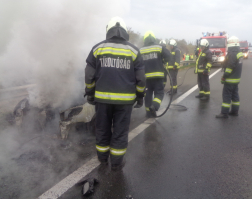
<point>184,154</point>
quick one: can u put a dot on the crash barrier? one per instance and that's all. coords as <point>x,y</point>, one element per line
<point>13,92</point>
<point>187,62</point>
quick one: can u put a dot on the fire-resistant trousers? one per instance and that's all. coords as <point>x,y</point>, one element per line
<point>203,84</point>
<point>155,86</point>
<point>230,98</point>
<point>174,74</point>
<point>112,128</point>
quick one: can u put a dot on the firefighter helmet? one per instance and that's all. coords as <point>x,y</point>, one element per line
<point>233,41</point>
<point>172,42</point>
<point>116,21</point>
<point>204,42</point>
<point>149,33</point>
<point>162,42</point>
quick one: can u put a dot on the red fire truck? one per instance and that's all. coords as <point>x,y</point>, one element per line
<point>244,48</point>
<point>217,45</point>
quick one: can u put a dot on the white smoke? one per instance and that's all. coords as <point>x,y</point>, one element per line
<point>46,43</point>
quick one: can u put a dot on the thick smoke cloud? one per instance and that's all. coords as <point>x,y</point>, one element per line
<point>46,42</point>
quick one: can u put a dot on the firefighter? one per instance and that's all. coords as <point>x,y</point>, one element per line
<point>154,56</point>
<point>174,64</point>
<point>163,43</point>
<point>115,80</point>
<point>231,79</point>
<point>203,65</point>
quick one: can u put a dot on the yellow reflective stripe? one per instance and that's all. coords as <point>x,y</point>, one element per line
<point>177,64</point>
<point>117,151</point>
<point>202,92</point>
<point>115,51</point>
<point>102,148</point>
<point>140,89</point>
<point>240,54</point>
<point>115,96</point>
<point>226,105</point>
<point>147,108</point>
<point>149,50</point>
<point>233,80</point>
<point>228,70</point>
<point>236,103</point>
<point>90,85</point>
<point>208,65</point>
<point>156,74</point>
<point>173,53</point>
<point>157,100</point>
<point>174,87</point>
<point>196,70</point>
<point>207,93</point>
<point>200,70</point>
<point>170,67</point>
<point>203,54</point>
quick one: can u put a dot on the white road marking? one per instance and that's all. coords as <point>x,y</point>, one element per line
<point>68,182</point>
<point>192,89</point>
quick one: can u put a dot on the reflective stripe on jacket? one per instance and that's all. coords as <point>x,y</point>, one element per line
<point>233,66</point>
<point>115,72</point>
<point>154,56</point>
<point>204,61</point>
<point>175,59</point>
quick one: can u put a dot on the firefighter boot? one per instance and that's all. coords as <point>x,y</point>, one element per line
<point>233,113</point>
<point>148,114</point>
<point>174,91</point>
<point>199,96</point>
<point>153,111</point>
<point>118,167</point>
<point>222,115</point>
<point>204,98</point>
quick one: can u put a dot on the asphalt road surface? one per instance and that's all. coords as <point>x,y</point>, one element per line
<point>184,154</point>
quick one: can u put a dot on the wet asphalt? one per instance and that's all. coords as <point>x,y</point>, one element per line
<point>184,154</point>
<point>188,154</point>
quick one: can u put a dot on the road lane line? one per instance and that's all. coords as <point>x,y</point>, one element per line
<point>64,185</point>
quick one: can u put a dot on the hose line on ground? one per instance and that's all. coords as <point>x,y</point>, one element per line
<point>170,105</point>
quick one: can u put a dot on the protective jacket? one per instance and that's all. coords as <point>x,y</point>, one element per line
<point>233,66</point>
<point>115,72</point>
<point>197,52</point>
<point>154,56</point>
<point>204,61</point>
<point>174,62</point>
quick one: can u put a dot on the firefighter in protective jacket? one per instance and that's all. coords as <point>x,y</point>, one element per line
<point>154,56</point>
<point>174,64</point>
<point>231,79</point>
<point>203,66</point>
<point>115,80</point>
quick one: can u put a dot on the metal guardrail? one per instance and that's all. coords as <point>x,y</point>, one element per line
<point>16,88</point>
<point>14,91</point>
<point>187,62</point>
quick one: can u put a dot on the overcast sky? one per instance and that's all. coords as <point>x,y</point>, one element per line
<point>188,19</point>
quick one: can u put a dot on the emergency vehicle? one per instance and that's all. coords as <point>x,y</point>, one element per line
<point>217,45</point>
<point>244,48</point>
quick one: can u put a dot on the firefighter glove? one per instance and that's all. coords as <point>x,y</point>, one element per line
<point>139,102</point>
<point>205,72</point>
<point>90,99</point>
<point>223,80</point>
